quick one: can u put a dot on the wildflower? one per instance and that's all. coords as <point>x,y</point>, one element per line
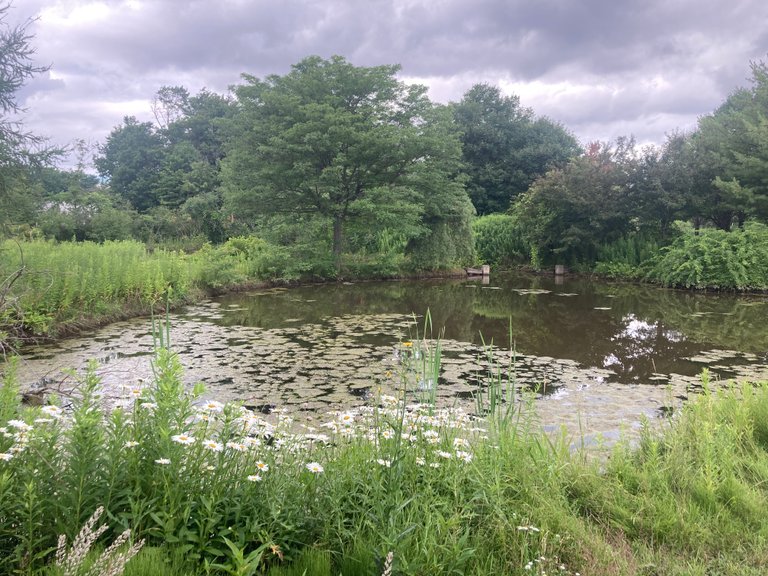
<point>5,456</point>
<point>251,442</point>
<point>43,420</point>
<point>388,434</point>
<point>131,444</point>
<point>183,439</point>
<point>460,443</point>
<point>52,411</point>
<point>148,406</point>
<point>444,454</point>
<point>254,478</point>
<point>347,419</point>
<point>388,400</point>
<point>385,463</point>
<point>434,465</point>
<point>315,468</point>
<point>212,406</point>
<point>317,438</point>
<point>407,344</point>
<point>262,466</point>
<point>210,468</point>
<point>420,461</point>
<point>213,445</point>
<point>465,456</point>
<point>238,446</point>
<point>19,425</point>
<point>432,436</point>
<point>162,461</point>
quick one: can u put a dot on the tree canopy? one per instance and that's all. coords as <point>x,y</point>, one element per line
<point>342,143</point>
<point>505,148</point>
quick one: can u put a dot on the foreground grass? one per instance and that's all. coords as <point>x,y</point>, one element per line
<point>393,488</point>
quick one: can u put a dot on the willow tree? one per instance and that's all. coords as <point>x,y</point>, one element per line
<point>341,142</point>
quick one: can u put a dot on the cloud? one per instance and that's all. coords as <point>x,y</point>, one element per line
<point>602,68</point>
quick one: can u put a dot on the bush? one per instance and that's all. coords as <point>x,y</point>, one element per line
<point>714,259</point>
<point>626,257</point>
<point>498,241</point>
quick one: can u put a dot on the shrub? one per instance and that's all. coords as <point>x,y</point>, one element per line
<point>710,258</point>
<point>498,241</point>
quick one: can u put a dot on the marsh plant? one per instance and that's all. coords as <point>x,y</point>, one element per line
<point>73,560</point>
<point>397,486</point>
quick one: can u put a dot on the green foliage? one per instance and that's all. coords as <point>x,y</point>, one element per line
<point>20,151</point>
<point>158,561</point>
<point>68,281</point>
<point>239,260</point>
<point>504,148</point>
<point>627,257</point>
<point>730,150</point>
<point>690,488</point>
<point>131,159</point>
<point>571,211</point>
<point>498,241</point>
<point>710,258</point>
<point>350,146</point>
<point>412,489</point>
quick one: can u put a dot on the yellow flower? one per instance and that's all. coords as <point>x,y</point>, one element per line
<point>407,344</point>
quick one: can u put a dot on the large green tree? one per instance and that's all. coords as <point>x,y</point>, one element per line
<point>591,201</point>
<point>505,148</point>
<point>132,159</point>
<point>343,143</point>
<point>730,150</point>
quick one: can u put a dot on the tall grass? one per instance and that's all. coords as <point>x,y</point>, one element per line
<point>627,257</point>
<point>68,281</point>
<point>399,487</point>
<point>47,287</point>
<point>499,241</point>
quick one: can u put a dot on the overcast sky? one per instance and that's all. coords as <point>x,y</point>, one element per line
<point>603,68</point>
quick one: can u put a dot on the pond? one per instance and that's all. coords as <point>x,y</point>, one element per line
<point>596,356</point>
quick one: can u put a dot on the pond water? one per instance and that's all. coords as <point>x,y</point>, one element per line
<point>596,356</point>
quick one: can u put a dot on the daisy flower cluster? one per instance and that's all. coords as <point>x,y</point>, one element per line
<point>217,438</point>
<point>17,433</point>
<point>432,436</point>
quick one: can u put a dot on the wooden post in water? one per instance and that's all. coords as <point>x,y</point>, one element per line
<point>559,269</point>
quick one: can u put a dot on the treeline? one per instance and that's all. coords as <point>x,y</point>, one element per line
<point>348,171</point>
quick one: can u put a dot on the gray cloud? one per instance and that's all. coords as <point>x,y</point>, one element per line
<point>603,68</point>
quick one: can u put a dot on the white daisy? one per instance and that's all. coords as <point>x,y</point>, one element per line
<point>183,439</point>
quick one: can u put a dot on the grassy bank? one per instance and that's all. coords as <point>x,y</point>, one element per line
<point>399,487</point>
<point>49,289</point>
